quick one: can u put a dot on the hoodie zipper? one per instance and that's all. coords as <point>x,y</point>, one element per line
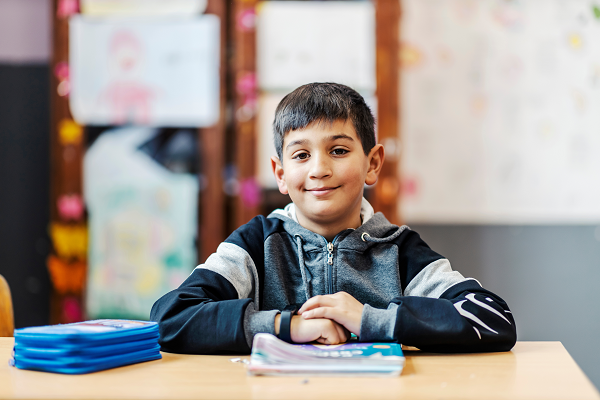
<point>330,266</point>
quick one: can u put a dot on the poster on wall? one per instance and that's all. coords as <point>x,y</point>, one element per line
<point>301,42</point>
<point>144,8</point>
<point>142,224</point>
<point>499,112</point>
<point>144,72</point>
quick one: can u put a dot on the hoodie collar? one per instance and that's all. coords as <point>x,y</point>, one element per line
<point>366,211</point>
<point>374,225</point>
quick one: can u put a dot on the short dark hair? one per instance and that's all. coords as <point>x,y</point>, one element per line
<point>323,103</point>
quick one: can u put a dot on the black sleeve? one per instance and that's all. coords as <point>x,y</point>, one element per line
<point>466,318</point>
<point>202,316</point>
<point>205,315</point>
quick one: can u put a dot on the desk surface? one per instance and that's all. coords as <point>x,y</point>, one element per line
<point>532,370</point>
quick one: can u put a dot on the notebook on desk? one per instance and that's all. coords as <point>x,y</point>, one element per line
<point>272,356</point>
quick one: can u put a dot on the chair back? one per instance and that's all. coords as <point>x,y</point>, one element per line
<point>7,322</point>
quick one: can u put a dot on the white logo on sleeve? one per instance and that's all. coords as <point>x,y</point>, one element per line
<point>472,317</point>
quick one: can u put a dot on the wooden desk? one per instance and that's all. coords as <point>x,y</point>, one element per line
<point>533,370</point>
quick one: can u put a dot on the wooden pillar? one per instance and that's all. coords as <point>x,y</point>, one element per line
<point>245,107</point>
<point>387,22</point>
<point>211,207</point>
<point>68,230</point>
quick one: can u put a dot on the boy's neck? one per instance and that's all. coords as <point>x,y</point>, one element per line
<point>330,230</point>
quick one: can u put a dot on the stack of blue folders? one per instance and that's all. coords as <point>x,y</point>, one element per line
<point>85,347</point>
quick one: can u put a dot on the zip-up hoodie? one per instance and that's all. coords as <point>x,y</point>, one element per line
<point>411,294</point>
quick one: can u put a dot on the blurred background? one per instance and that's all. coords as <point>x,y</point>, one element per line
<point>135,136</point>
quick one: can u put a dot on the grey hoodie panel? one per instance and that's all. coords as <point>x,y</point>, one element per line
<point>235,265</point>
<point>377,324</point>
<point>434,280</point>
<point>283,278</point>
<point>372,277</point>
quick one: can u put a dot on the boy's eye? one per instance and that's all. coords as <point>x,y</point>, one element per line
<point>301,156</point>
<point>339,152</point>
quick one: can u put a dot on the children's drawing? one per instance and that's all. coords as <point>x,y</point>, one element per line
<point>129,98</point>
<point>145,71</point>
<point>142,223</point>
<point>506,132</point>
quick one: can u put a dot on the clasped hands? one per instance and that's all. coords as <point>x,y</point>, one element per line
<point>327,319</point>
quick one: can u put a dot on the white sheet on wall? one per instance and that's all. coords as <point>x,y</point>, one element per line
<point>146,72</point>
<point>500,120</point>
<point>142,7</point>
<point>302,42</point>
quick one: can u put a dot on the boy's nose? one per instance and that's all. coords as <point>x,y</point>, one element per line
<point>320,167</point>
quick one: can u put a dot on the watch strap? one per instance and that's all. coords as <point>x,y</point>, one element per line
<point>285,323</point>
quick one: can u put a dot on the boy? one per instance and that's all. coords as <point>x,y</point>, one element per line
<point>327,266</point>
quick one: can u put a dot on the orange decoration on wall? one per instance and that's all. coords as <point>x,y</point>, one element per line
<point>67,277</point>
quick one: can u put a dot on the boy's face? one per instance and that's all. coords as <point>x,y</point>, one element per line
<point>324,169</point>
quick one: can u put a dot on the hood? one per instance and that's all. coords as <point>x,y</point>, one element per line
<point>374,229</point>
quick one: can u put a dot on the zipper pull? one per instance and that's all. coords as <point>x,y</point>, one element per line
<point>330,256</point>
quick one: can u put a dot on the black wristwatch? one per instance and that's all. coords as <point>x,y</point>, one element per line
<point>285,323</point>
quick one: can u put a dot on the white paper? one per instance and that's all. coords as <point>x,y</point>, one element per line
<point>145,72</point>
<point>142,225</point>
<point>138,8</point>
<point>303,42</point>
<point>499,112</point>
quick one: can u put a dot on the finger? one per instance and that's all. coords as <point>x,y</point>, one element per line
<point>322,312</point>
<point>341,333</point>
<point>318,301</point>
<point>331,335</point>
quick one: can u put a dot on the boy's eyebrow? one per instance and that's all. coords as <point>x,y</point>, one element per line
<point>338,136</point>
<point>327,139</point>
<point>295,142</point>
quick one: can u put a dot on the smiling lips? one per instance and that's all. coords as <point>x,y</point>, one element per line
<point>322,191</point>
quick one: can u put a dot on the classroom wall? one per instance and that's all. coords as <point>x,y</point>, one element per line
<point>548,275</point>
<point>25,156</point>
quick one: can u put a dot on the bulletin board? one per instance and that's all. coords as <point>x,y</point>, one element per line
<point>499,106</point>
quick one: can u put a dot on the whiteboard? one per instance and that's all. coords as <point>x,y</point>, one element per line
<point>500,118</point>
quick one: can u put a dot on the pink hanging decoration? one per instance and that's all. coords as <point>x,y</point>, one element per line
<point>72,311</point>
<point>250,192</point>
<point>66,8</point>
<point>246,20</point>
<point>61,70</point>
<point>246,83</point>
<point>70,207</point>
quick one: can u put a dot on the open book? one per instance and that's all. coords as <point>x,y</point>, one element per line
<point>272,356</point>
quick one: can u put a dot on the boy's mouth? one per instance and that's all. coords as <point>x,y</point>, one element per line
<point>322,191</point>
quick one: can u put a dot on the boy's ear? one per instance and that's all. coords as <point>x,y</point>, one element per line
<point>279,175</point>
<point>375,160</point>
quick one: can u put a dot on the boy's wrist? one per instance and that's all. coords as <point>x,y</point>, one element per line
<point>285,325</point>
<point>277,323</point>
